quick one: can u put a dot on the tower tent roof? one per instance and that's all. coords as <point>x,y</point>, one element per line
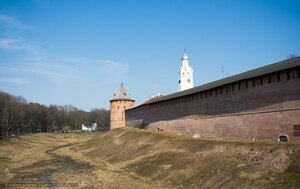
<point>121,94</point>
<point>185,56</point>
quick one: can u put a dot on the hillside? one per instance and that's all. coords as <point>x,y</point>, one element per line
<point>132,158</point>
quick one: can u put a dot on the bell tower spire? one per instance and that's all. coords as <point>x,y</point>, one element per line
<point>185,74</point>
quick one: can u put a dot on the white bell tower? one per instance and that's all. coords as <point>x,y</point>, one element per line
<point>185,74</point>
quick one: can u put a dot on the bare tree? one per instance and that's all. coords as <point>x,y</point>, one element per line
<point>18,117</point>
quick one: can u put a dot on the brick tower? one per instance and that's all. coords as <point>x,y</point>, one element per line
<point>118,104</point>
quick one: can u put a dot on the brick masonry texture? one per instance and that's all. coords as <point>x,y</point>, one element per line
<point>117,112</point>
<point>262,108</point>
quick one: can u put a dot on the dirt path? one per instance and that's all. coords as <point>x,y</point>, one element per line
<point>46,172</point>
<point>93,173</point>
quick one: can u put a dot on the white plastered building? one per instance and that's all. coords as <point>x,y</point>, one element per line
<point>89,126</point>
<point>185,74</point>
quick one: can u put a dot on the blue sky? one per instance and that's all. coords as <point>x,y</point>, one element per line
<point>78,52</point>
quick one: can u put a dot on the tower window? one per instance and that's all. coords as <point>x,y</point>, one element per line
<point>179,81</point>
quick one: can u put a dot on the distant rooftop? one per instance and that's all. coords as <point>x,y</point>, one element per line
<point>121,94</point>
<point>152,99</point>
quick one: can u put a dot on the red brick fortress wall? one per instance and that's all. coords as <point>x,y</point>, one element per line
<point>267,125</point>
<point>263,108</point>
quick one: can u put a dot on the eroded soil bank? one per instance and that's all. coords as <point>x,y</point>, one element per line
<point>130,158</point>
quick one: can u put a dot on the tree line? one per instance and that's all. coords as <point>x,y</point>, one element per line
<point>17,117</point>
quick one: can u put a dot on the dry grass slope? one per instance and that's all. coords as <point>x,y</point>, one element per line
<point>133,158</point>
<point>178,162</point>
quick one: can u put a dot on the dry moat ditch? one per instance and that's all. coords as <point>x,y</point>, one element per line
<point>56,171</point>
<point>130,158</point>
<point>43,171</point>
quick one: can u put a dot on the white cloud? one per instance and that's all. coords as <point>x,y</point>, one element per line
<point>15,80</point>
<point>113,67</point>
<point>10,44</point>
<point>62,70</point>
<point>26,63</point>
<point>28,58</point>
<point>12,23</point>
<point>86,68</point>
<point>19,44</point>
<point>55,73</point>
